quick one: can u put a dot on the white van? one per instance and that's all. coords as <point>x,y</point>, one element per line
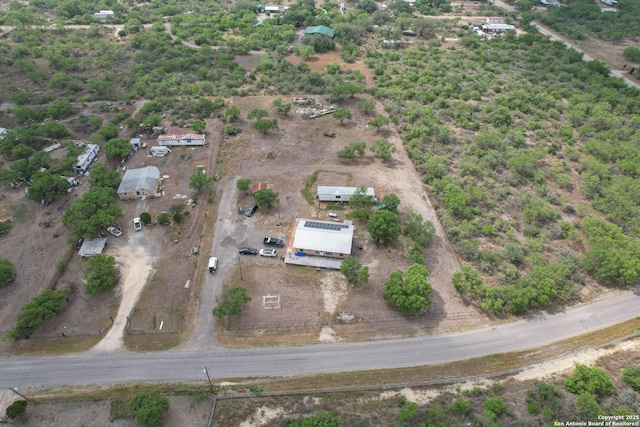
<point>213,264</point>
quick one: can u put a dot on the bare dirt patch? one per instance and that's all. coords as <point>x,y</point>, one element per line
<point>309,299</point>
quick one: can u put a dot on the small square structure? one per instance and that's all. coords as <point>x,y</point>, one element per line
<point>91,247</point>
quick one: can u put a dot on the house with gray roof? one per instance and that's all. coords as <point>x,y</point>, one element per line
<point>139,183</point>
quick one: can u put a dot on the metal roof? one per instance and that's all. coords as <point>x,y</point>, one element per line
<point>322,189</point>
<point>324,236</point>
<point>184,136</point>
<point>91,247</point>
<point>139,179</point>
<point>320,29</point>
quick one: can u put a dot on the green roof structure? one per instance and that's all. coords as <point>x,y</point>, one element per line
<point>320,29</point>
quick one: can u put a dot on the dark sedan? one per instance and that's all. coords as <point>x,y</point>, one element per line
<point>248,251</point>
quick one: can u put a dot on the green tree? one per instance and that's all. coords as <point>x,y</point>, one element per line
<point>418,230</point>
<point>200,181</point>
<point>360,198</point>
<point>47,305</point>
<point>53,129</point>
<point>16,409</point>
<point>108,131</point>
<point>148,409</point>
<point>257,113</point>
<point>390,202</point>
<point>631,376</point>
<point>92,212</point>
<point>101,274</point>
<point>545,398</point>
<point>366,105</point>
<point>354,271</point>
<point>22,151</point>
<point>384,226</point>
<point>282,108</point>
<point>232,113</point>
<point>7,273</point>
<point>198,126</point>
<point>47,186</point>
<point>264,125</point>
<point>383,149</point>
<point>102,176</point>
<point>587,407</point>
<point>461,405</point>
<point>591,380</point>
<point>117,148</point>
<point>321,419</point>
<point>408,291</point>
<point>631,54</point>
<point>352,150</point>
<point>379,121</point>
<point>342,114</point>
<point>231,303</point>
<point>243,184</point>
<point>60,109</point>
<point>368,6</point>
<point>265,197</point>
<point>494,407</point>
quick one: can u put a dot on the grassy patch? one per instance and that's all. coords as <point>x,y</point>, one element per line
<point>21,213</point>
<point>308,183</point>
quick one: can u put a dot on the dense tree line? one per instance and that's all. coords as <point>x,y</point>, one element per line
<point>583,17</point>
<point>503,146</point>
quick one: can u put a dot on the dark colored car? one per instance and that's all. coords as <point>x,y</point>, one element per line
<point>248,251</point>
<point>252,209</point>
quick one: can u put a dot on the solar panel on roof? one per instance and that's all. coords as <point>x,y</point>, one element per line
<point>323,225</point>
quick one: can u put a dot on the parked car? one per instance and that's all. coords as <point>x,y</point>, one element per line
<point>268,252</point>
<point>248,251</point>
<point>137,224</point>
<point>272,241</point>
<point>329,134</point>
<point>114,231</point>
<point>252,209</point>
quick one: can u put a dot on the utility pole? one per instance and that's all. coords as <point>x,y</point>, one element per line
<point>206,371</point>
<point>240,266</point>
<point>16,391</point>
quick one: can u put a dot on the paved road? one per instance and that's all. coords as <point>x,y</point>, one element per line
<point>322,358</point>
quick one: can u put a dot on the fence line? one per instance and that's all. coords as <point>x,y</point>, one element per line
<point>425,317</point>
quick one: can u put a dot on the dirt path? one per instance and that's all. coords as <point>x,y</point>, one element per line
<point>136,263</point>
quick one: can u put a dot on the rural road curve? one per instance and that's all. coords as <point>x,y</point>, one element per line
<point>554,36</point>
<point>177,365</point>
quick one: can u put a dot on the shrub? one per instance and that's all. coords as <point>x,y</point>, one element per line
<point>163,219</point>
<point>16,409</point>
<point>145,217</point>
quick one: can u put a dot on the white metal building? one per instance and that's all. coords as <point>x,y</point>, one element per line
<point>3,133</point>
<point>182,140</point>
<point>323,238</point>
<point>340,194</point>
<point>497,28</point>
<point>105,14</point>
